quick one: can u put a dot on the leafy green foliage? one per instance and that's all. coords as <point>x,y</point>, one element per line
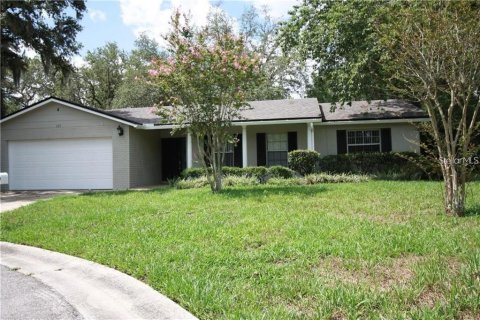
<point>103,75</point>
<point>135,90</point>
<point>303,161</point>
<point>432,55</point>
<point>399,165</point>
<point>47,27</point>
<point>206,79</point>
<point>280,172</point>
<point>256,172</point>
<point>340,37</point>
<point>335,178</point>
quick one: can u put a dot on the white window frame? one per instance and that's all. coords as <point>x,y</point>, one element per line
<point>355,144</point>
<point>285,134</point>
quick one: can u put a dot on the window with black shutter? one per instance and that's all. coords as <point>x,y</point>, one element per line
<point>261,149</point>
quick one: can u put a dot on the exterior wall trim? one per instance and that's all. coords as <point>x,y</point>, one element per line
<point>68,104</point>
<point>379,121</point>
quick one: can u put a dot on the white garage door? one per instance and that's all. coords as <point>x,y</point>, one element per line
<point>60,164</point>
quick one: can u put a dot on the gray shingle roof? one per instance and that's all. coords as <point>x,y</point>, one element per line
<point>376,109</point>
<point>282,109</point>
<point>147,115</point>
<point>260,110</point>
<point>299,109</point>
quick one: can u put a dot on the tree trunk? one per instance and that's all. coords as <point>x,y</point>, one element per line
<point>217,181</point>
<point>454,179</point>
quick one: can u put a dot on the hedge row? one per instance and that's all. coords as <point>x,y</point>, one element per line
<point>405,165</point>
<point>401,166</point>
<point>260,173</point>
<point>239,181</point>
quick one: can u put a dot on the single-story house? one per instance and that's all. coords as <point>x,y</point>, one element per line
<point>57,144</point>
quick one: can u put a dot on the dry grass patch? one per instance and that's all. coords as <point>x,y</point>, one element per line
<point>430,296</point>
<point>392,273</point>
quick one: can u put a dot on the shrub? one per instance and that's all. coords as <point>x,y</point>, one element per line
<point>335,178</point>
<point>286,182</point>
<point>239,181</point>
<point>398,165</point>
<point>190,173</point>
<point>281,172</point>
<point>192,183</point>
<point>303,161</point>
<point>233,171</point>
<point>256,172</point>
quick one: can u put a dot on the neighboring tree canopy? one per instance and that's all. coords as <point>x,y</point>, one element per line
<point>48,28</point>
<point>135,90</point>
<point>284,72</point>
<point>110,78</point>
<point>340,39</point>
<point>207,78</point>
<point>103,74</point>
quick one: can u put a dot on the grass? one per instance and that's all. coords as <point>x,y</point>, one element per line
<point>379,249</point>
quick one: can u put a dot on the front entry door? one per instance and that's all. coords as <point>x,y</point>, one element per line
<point>174,157</point>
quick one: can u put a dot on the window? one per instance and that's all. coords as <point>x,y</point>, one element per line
<point>363,141</point>
<point>277,149</point>
<point>228,159</point>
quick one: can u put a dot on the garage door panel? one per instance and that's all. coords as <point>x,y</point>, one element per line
<point>61,164</point>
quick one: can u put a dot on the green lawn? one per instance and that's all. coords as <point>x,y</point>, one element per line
<point>366,250</point>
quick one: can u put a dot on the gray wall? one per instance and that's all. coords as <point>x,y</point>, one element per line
<point>252,131</point>
<point>55,121</point>
<point>145,157</point>
<point>405,136</point>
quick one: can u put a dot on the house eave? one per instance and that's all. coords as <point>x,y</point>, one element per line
<point>372,121</point>
<point>71,105</point>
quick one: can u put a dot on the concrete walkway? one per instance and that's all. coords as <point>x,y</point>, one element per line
<point>92,290</point>
<point>10,200</point>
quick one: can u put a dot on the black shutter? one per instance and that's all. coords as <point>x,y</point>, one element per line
<point>261,149</point>
<point>341,141</point>
<point>205,148</point>
<point>292,141</point>
<point>386,139</point>
<point>237,152</point>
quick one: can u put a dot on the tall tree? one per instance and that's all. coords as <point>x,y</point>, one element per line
<point>48,28</point>
<point>340,38</point>
<point>35,84</point>
<point>433,55</point>
<point>284,71</point>
<point>103,75</point>
<point>136,90</point>
<point>207,79</point>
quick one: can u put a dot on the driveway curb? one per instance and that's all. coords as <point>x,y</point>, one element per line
<point>95,291</point>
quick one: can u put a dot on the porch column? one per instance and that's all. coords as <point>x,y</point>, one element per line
<point>189,149</point>
<point>310,136</point>
<point>244,146</point>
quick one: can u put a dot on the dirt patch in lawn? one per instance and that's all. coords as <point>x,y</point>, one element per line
<point>430,297</point>
<point>394,272</point>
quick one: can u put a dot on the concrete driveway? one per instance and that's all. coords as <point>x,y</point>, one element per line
<point>75,288</point>
<point>24,297</point>
<point>10,200</point>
